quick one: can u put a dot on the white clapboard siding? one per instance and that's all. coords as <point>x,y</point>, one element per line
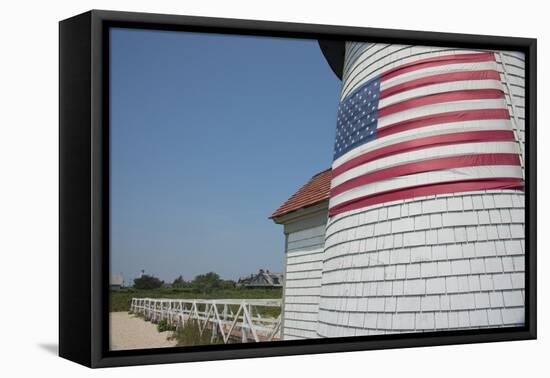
<point>429,263</point>
<point>304,262</point>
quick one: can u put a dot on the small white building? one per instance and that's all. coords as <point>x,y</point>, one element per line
<point>304,217</point>
<point>117,282</point>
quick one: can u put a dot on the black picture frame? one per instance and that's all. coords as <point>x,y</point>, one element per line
<point>84,182</point>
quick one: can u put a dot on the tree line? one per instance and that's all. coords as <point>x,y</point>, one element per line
<point>203,283</point>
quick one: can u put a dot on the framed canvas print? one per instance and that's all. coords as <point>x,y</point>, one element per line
<point>234,188</point>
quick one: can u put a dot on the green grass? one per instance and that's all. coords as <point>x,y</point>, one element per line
<point>163,326</point>
<point>189,335</point>
<point>120,300</point>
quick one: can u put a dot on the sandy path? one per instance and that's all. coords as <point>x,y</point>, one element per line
<point>130,332</point>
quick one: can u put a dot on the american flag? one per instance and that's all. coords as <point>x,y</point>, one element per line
<point>428,126</point>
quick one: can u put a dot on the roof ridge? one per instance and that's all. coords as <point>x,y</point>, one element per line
<point>319,173</point>
<point>314,191</point>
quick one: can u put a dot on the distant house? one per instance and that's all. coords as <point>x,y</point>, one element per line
<point>263,279</point>
<point>117,282</point>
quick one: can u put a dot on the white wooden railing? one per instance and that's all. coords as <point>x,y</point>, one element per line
<point>229,318</point>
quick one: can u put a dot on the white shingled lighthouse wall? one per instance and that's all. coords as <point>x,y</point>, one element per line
<point>428,263</point>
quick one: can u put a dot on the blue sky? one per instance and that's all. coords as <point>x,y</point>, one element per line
<point>209,135</point>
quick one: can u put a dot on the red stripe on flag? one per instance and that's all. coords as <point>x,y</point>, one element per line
<point>441,78</point>
<point>468,94</point>
<point>427,166</point>
<point>428,190</point>
<point>426,142</point>
<point>437,61</point>
<point>442,118</point>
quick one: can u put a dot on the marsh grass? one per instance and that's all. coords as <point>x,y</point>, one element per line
<point>189,335</point>
<point>164,325</point>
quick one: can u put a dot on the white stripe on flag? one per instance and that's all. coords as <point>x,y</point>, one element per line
<point>426,178</point>
<point>427,154</point>
<point>446,128</point>
<point>499,103</point>
<point>439,88</point>
<point>437,70</point>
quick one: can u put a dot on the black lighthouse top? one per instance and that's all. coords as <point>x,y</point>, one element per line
<point>334,52</point>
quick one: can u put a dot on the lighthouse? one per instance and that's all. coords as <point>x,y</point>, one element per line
<point>419,224</point>
<point>425,227</point>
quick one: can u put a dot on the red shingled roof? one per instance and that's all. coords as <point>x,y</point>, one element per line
<point>316,190</point>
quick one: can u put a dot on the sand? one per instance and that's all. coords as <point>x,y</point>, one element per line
<point>130,332</point>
